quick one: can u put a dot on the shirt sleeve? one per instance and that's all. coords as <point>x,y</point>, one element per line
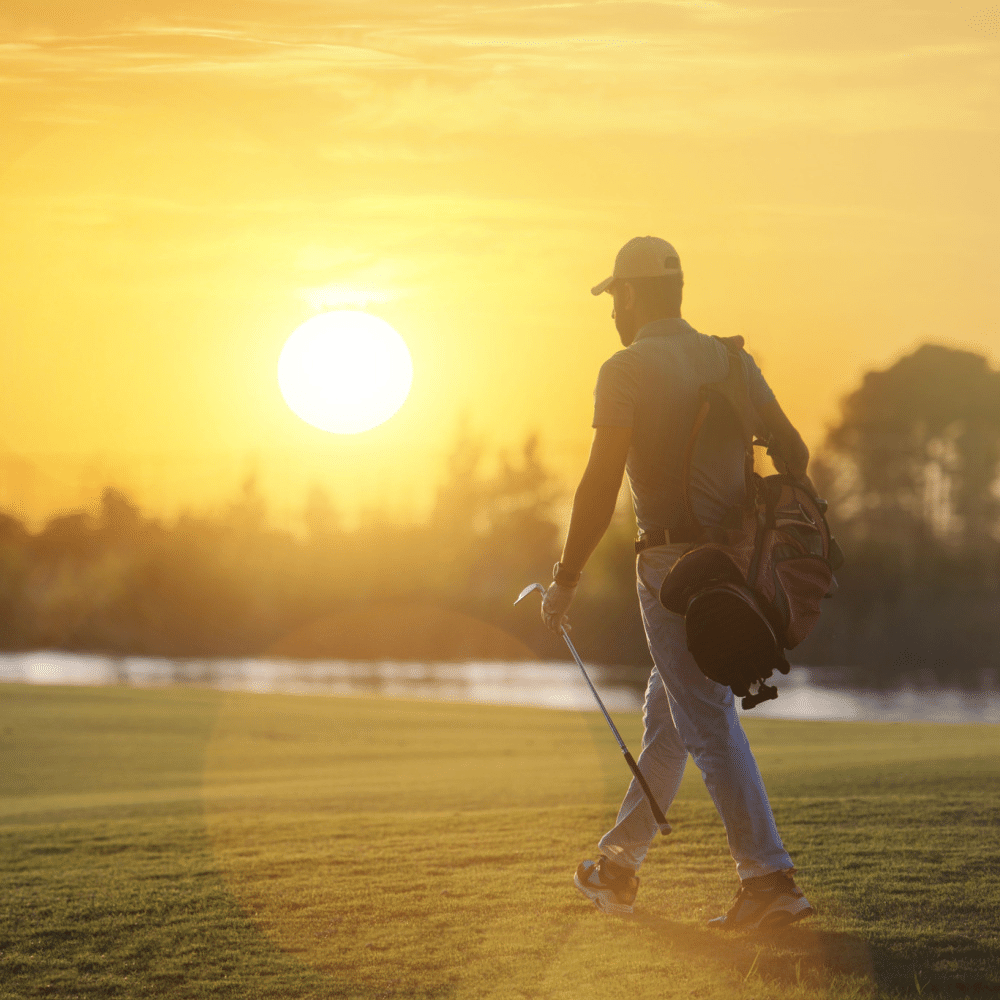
<point>760,391</point>
<point>616,393</point>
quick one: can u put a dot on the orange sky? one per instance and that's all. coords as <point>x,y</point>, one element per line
<point>181,184</point>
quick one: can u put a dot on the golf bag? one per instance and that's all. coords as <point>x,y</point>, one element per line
<point>752,588</point>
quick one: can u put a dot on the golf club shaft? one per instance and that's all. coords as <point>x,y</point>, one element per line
<point>661,820</point>
<point>593,691</point>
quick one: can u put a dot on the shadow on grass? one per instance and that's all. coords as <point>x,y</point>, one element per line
<point>947,965</point>
<point>791,957</point>
<point>821,960</point>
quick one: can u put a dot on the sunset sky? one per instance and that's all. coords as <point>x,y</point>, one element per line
<point>182,184</point>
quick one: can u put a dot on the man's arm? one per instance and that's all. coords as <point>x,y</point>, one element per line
<point>593,508</point>
<point>792,455</point>
<point>596,496</point>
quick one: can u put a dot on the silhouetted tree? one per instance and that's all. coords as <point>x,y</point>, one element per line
<point>120,517</point>
<point>910,471</point>
<point>919,446</point>
<point>490,529</point>
<point>320,516</point>
<point>15,566</point>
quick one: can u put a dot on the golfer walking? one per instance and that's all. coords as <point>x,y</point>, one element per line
<point>645,404</point>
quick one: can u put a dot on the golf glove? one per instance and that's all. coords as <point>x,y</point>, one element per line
<point>555,604</point>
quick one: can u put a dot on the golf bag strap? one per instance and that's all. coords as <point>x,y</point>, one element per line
<point>694,525</point>
<point>733,347</point>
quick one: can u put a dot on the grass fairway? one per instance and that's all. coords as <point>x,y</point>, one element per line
<point>185,843</point>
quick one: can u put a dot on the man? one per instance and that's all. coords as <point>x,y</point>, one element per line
<point>645,404</point>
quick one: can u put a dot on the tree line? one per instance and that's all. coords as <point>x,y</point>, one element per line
<point>910,470</point>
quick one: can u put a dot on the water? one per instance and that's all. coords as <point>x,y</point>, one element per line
<point>800,697</point>
<point>547,685</point>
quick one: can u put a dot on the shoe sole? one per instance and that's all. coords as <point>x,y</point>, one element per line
<point>602,899</point>
<point>775,921</point>
<point>771,920</point>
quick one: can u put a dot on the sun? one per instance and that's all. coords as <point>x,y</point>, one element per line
<point>345,371</point>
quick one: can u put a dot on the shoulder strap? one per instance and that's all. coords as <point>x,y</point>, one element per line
<point>734,392</point>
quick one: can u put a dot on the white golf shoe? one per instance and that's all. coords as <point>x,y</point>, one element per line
<point>609,888</point>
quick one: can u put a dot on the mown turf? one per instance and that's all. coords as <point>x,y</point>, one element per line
<point>185,843</point>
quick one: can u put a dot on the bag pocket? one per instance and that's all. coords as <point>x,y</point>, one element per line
<point>800,583</point>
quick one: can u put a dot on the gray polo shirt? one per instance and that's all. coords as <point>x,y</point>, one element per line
<point>652,387</point>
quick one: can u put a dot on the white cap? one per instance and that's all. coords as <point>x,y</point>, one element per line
<point>642,257</point>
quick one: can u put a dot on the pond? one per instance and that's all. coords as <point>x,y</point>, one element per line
<point>804,694</point>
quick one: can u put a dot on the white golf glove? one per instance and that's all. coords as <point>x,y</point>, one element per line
<point>555,604</point>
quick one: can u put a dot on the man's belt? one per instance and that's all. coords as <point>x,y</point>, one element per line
<point>660,536</point>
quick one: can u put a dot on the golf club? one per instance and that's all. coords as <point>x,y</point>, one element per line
<point>661,820</point>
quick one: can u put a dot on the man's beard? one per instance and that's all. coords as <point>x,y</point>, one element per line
<point>625,325</point>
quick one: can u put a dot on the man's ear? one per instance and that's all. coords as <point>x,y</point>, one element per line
<point>628,294</point>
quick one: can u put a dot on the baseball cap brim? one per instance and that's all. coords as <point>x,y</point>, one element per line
<point>603,286</point>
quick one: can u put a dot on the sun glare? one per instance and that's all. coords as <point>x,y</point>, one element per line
<point>345,371</point>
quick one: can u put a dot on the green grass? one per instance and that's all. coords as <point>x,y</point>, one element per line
<point>185,843</point>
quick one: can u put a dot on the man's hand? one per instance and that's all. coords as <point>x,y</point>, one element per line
<point>555,604</point>
<point>788,452</point>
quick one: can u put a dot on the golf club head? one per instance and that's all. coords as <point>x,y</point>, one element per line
<point>527,590</point>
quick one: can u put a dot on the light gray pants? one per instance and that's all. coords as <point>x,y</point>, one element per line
<point>686,713</point>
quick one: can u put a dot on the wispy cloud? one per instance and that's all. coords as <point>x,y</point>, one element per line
<point>550,68</point>
<point>231,54</point>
